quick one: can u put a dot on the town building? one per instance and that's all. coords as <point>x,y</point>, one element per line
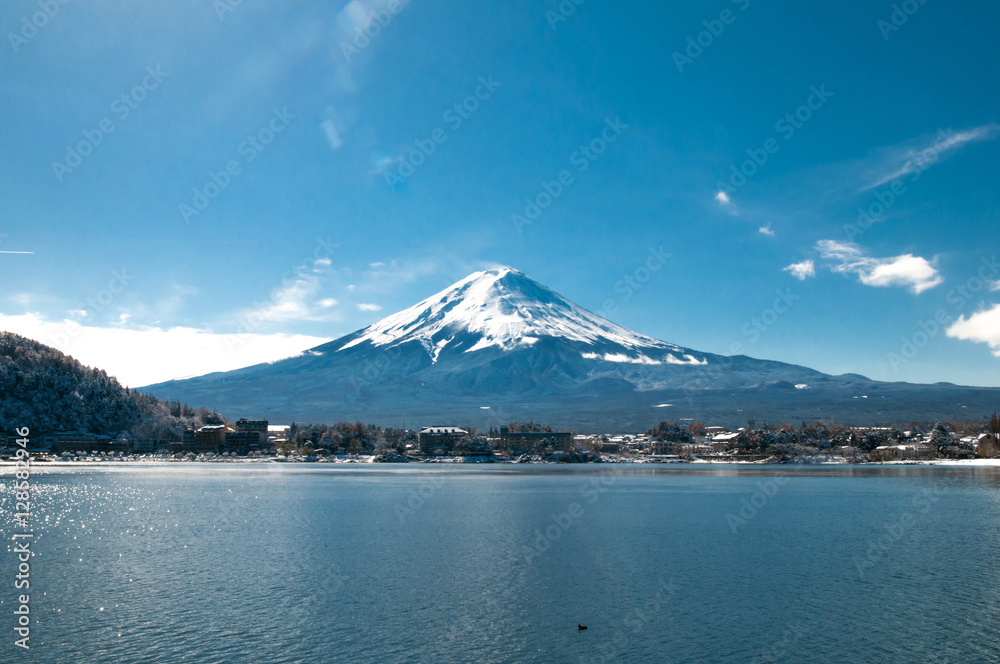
<point>523,440</point>
<point>85,443</point>
<point>724,441</point>
<point>987,446</point>
<point>440,439</point>
<point>209,438</point>
<point>250,436</point>
<point>276,434</point>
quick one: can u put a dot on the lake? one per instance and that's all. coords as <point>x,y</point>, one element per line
<point>682,563</point>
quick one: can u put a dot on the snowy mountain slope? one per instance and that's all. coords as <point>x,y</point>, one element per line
<point>505,309</point>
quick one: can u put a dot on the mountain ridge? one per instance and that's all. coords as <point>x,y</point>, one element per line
<point>499,341</point>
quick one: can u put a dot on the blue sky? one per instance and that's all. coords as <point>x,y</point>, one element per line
<point>321,214</point>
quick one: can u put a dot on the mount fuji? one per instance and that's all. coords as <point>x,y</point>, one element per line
<point>498,346</point>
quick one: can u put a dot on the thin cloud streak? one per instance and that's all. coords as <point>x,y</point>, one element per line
<point>903,162</point>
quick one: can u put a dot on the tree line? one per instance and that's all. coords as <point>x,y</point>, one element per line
<point>947,439</point>
<point>49,391</point>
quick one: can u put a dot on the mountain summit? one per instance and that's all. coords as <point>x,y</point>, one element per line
<point>498,346</point>
<point>507,310</point>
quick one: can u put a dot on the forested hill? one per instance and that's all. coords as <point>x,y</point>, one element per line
<point>47,390</point>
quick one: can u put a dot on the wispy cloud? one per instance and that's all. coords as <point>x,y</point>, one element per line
<point>723,198</point>
<point>766,230</point>
<point>332,135</point>
<point>21,299</point>
<point>981,327</point>
<point>914,272</point>
<point>803,270</point>
<point>298,297</point>
<point>917,156</point>
<point>369,307</point>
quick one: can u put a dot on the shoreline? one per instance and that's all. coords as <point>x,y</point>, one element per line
<point>460,461</point>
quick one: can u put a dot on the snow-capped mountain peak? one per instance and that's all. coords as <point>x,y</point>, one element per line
<point>504,308</point>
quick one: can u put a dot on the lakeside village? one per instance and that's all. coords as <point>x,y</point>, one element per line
<point>258,440</point>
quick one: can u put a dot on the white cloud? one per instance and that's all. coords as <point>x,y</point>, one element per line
<point>332,135</point>
<point>914,272</point>
<point>621,358</point>
<point>906,160</point>
<point>369,307</point>
<point>326,303</point>
<point>376,264</point>
<point>981,327</point>
<point>289,302</point>
<point>723,198</point>
<point>802,271</point>
<point>766,230</point>
<point>295,299</point>
<point>146,355</point>
<point>22,299</point>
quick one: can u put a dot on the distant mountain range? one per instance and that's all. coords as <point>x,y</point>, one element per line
<point>498,346</point>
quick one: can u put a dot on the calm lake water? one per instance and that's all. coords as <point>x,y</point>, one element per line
<point>304,563</point>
